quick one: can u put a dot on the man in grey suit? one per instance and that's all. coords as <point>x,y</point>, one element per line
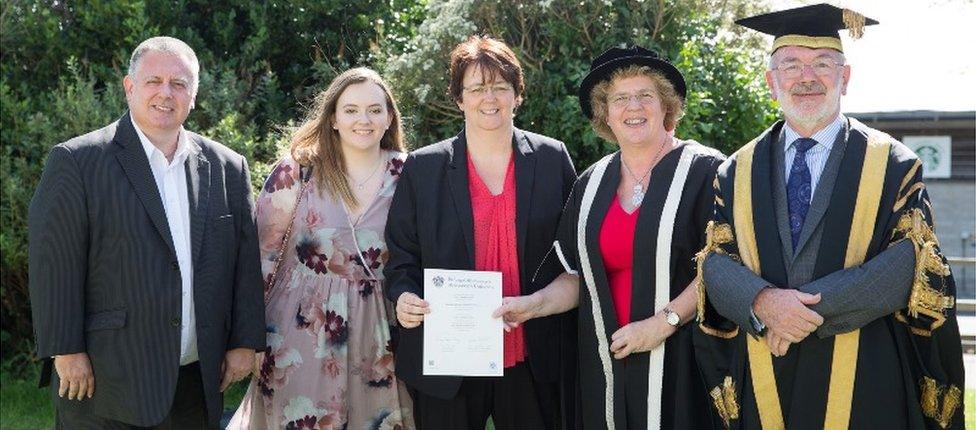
<point>144,274</point>
<point>821,250</point>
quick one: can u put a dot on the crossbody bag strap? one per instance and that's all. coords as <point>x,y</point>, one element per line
<point>304,176</point>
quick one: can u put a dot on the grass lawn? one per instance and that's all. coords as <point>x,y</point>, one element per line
<point>24,406</point>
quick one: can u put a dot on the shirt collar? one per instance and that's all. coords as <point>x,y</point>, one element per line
<point>182,147</point>
<point>825,137</point>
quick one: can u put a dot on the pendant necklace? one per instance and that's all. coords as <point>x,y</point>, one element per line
<point>361,185</point>
<point>638,196</point>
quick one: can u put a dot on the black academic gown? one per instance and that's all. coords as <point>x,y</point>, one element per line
<point>904,371</point>
<point>618,393</point>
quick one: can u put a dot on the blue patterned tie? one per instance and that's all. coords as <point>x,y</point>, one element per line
<point>798,187</point>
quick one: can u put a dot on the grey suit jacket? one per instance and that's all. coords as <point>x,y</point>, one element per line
<point>104,278</point>
<point>850,298</point>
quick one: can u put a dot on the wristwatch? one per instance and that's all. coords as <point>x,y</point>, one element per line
<point>672,317</point>
<point>757,324</point>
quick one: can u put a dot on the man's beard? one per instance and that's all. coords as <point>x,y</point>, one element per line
<point>806,117</point>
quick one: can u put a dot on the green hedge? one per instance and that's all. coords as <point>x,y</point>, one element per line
<point>62,64</point>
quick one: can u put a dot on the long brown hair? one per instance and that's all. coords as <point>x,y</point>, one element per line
<point>316,144</point>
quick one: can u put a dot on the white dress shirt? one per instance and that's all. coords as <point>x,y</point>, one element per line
<point>171,182</point>
<point>817,155</point>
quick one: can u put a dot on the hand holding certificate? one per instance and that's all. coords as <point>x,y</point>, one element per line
<point>460,336</point>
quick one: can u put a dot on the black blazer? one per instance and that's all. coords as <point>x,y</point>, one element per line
<point>430,225</point>
<point>104,277</point>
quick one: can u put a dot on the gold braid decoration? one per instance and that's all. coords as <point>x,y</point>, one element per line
<point>930,397</point>
<point>924,300</point>
<point>728,394</point>
<point>723,396</point>
<point>719,402</point>
<point>950,401</point>
<point>931,391</point>
<point>715,236</point>
<point>718,191</point>
<point>913,226</point>
<point>854,23</point>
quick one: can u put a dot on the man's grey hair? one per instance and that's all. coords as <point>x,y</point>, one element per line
<point>167,45</point>
<point>772,60</point>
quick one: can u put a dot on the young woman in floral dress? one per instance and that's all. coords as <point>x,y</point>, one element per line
<point>321,216</point>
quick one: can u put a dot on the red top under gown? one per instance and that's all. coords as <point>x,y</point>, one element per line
<point>495,244</point>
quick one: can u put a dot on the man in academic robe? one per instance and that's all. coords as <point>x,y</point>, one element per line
<point>825,300</point>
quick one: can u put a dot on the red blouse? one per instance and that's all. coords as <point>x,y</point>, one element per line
<point>495,245</point>
<point>617,250</point>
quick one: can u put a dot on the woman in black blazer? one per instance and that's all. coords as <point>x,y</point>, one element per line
<point>451,199</point>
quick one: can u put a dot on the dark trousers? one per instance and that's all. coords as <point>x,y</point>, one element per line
<point>514,402</point>
<point>189,410</point>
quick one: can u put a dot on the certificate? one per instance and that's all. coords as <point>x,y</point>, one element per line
<point>460,336</point>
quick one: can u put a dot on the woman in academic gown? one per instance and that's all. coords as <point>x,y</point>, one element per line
<point>629,233</point>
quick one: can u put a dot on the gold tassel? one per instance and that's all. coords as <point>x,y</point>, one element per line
<point>723,396</point>
<point>728,394</point>
<point>716,394</point>
<point>854,23</point>
<point>715,235</point>
<point>949,404</point>
<point>930,397</point>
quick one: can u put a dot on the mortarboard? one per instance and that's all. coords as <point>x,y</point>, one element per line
<point>815,26</point>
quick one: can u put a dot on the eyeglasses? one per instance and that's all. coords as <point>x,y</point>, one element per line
<point>620,100</point>
<point>482,90</point>
<point>821,67</point>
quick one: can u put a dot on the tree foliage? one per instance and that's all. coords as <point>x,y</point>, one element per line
<point>261,62</point>
<point>556,41</point>
<point>63,62</point>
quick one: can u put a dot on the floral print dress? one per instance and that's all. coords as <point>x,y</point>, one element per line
<point>329,359</point>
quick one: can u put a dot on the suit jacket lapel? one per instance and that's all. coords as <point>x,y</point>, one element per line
<point>136,167</point>
<point>840,208</point>
<point>457,178</point>
<point>198,182</point>
<point>524,180</point>
<point>825,189</point>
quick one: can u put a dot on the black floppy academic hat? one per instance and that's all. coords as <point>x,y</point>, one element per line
<point>616,58</point>
<point>815,26</point>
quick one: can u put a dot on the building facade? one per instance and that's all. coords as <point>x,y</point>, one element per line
<point>946,143</point>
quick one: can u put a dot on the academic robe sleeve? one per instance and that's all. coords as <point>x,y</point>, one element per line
<point>715,338</point>
<point>930,312</point>
<point>565,245</point>
<point>727,288</point>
